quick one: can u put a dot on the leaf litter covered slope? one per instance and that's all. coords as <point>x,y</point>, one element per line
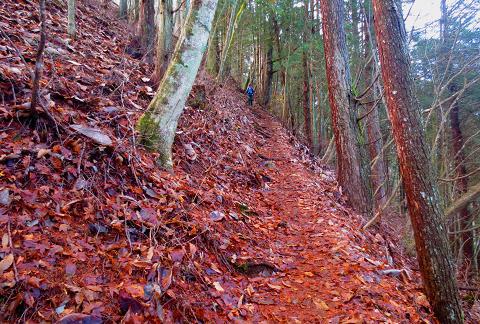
<point>247,228</point>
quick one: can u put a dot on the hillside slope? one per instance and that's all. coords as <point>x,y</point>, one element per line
<point>248,227</point>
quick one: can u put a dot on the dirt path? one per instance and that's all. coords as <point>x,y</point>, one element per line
<point>330,271</point>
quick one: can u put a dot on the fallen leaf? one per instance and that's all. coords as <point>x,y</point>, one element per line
<point>309,274</point>
<point>214,267</point>
<point>166,278</point>
<point>135,290</point>
<point>6,263</point>
<point>216,216</point>
<point>218,287</point>
<point>275,287</point>
<point>321,304</point>
<point>150,254</point>
<point>95,134</point>
<point>70,269</point>
<point>177,254</point>
<point>5,240</point>
<point>42,152</point>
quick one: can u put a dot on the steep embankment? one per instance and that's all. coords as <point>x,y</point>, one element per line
<point>247,228</point>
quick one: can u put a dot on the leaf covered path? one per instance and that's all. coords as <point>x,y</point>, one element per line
<point>329,270</point>
<point>247,229</point>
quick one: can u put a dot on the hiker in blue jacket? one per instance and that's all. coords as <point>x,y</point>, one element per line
<point>250,92</point>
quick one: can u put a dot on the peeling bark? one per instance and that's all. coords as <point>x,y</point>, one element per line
<point>158,124</point>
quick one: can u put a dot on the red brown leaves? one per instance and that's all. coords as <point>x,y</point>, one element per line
<point>243,227</point>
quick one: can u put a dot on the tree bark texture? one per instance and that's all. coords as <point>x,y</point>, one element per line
<point>343,117</point>
<point>71,26</point>
<point>146,28</point>
<point>375,140</point>
<point>158,124</point>
<point>307,119</point>
<point>433,252</point>
<point>164,38</point>
<point>38,72</point>
<point>457,140</point>
<point>123,9</point>
<point>267,81</point>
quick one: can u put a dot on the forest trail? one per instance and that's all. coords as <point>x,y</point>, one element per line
<point>248,229</point>
<point>328,269</point>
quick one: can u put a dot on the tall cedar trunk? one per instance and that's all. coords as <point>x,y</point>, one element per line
<point>373,121</point>
<point>267,81</point>
<point>146,28</point>
<point>306,101</point>
<point>276,30</point>
<point>433,252</point>
<point>71,27</point>
<point>456,133</point>
<point>123,9</point>
<point>306,82</point>
<point>158,124</point>
<point>164,39</point>
<point>343,116</point>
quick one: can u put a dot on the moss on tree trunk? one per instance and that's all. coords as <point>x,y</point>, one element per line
<point>158,124</point>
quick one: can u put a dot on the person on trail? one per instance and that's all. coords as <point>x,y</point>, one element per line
<point>250,92</point>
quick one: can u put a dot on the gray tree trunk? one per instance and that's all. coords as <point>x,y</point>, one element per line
<point>158,124</point>
<point>164,38</point>
<point>123,8</point>
<point>72,28</point>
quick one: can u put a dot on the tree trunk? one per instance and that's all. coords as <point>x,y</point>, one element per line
<point>461,185</point>
<point>375,140</point>
<point>146,28</point>
<point>177,19</point>
<point>164,39</point>
<point>433,252</point>
<point>355,36</point>
<point>343,117</point>
<point>457,140</point>
<point>158,124</point>
<point>232,26</point>
<point>306,101</point>
<point>267,82</point>
<point>123,8</point>
<point>71,28</point>
<point>306,81</point>
<point>38,71</point>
